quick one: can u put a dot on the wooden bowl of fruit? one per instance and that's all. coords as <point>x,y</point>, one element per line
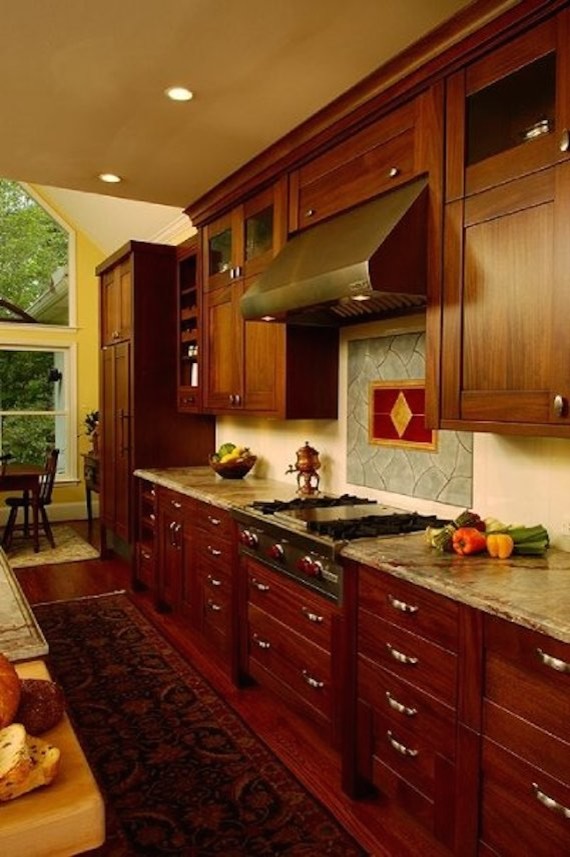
<point>232,462</point>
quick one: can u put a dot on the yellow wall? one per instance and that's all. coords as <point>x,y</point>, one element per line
<point>86,338</point>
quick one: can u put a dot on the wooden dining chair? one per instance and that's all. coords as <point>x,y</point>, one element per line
<point>24,502</point>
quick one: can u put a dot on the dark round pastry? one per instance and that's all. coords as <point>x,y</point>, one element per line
<point>42,705</point>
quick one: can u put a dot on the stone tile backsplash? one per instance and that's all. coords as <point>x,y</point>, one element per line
<point>444,475</point>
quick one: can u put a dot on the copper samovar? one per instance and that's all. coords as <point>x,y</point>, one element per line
<point>306,469</point>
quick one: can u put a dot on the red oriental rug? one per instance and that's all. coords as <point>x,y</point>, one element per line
<point>180,771</point>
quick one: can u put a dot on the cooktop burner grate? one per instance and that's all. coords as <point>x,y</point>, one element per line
<point>375,525</point>
<point>269,507</point>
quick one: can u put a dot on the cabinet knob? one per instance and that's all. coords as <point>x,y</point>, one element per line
<point>310,212</point>
<point>565,140</point>
<point>393,172</point>
<point>560,405</point>
<point>232,398</point>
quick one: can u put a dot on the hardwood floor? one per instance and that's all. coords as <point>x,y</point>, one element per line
<point>380,830</point>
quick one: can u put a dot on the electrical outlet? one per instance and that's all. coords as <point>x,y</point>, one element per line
<point>565,527</point>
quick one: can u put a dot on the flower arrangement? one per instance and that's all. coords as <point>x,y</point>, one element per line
<point>91,422</point>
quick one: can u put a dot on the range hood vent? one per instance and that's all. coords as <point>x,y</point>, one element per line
<point>365,264</point>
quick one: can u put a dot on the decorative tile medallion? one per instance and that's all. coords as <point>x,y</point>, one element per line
<point>397,415</point>
<point>388,446</point>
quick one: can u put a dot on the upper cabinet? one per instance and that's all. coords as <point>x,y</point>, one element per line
<point>505,365</point>
<point>258,367</point>
<point>367,163</point>
<point>189,326</point>
<point>116,303</point>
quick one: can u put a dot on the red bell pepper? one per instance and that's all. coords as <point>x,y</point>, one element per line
<point>468,540</point>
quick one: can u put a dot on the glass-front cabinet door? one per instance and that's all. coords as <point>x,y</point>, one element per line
<point>509,113</point>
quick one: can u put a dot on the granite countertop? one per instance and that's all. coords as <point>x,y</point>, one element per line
<point>20,635</point>
<point>531,591</point>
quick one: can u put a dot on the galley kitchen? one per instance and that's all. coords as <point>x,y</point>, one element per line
<point>301,581</point>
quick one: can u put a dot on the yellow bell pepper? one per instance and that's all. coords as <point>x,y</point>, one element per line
<point>500,545</point>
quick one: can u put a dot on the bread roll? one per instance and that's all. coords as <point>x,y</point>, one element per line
<point>25,762</point>
<point>41,705</point>
<point>9,691</point>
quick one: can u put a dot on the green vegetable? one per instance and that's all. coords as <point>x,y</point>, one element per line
<point>443,539</point>
<point>529,541</point>
<point>225,448</point>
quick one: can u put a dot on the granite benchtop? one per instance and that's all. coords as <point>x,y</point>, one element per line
<point>531,591</point>
<point>20,635</point>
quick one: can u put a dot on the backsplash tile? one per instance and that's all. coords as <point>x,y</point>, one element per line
<point>444,475</point>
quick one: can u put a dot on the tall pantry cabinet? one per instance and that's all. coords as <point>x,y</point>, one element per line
<point>140,422</point>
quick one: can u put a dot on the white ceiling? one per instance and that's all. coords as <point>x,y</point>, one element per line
<point>83,83</point>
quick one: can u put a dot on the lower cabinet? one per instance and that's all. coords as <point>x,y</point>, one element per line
<point>291,644</point>
<point>407,673</point>
<point>525,796</point>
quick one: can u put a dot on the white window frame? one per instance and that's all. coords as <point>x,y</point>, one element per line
<point>69,372</point>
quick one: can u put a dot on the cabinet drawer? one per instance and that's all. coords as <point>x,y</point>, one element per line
<point>522,807</point>
<point>359,179</point>
<point>213,520</point>
<point>423,716</point>
<point>214,552</point>
<point>310,616</point>
<point>298,663</point>
<point>410,756</point>
<point>145,565</point>
<point>528,674</point>
<point>417,661</point>
<point>418,610</point>
<point>539,748</point>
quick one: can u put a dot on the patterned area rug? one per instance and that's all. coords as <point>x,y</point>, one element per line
<point>69,547</point>
<point>181,773</point>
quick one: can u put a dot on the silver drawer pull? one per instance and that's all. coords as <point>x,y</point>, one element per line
<point>214,551</point>
<point>313,682</point>
<point>213,606</point>
<point>564,141</point>
<point>261,587</point>
<point>214,581</point>
<point>401,748</point>
<point>393,172</point>
<point>399,656</point>
<point>263,644</point>
<point>549,802</point>
<point>176,504</point>
<point>312,617</point>
<point>215,522</point>
<point>554,663</point>
<point>401,605</point>
<point>146,555</point>
<point>397,706</point>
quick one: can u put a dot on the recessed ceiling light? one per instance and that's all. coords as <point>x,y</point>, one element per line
<point>110,178</point>
<point>179,93</point>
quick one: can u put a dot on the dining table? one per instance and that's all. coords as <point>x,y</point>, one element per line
<point>25,478</point>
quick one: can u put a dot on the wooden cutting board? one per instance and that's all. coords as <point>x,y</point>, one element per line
<point>64,818</point>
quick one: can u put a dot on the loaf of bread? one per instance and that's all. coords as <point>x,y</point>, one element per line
<point>41,705</point>
<point>26,762</point>
<point>9,691</point>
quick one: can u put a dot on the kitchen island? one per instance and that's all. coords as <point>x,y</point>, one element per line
<point>20,636</point>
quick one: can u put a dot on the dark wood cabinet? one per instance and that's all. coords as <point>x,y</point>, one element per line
<point>140,423</point>
<point>189,326</point>
<point>291,644</point>
<point>146,524</point>
<point>407,645</point>
<point>525,798</point>
<point>215,576</point>
<point>507,277</point>
<point>116,303</point>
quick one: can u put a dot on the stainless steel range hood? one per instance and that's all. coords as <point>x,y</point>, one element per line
<point>367,263</point>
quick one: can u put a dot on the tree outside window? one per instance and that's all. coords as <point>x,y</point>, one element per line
<point>34,252</point>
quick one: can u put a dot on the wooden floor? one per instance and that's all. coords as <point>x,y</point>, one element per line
<point>379,830</point>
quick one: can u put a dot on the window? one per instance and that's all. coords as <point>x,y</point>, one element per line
<point>36,258</point>
<point>34,404</point>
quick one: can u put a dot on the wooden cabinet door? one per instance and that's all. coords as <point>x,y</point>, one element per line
<point>224,357</point>
<point>116,303</point>
<point>170,550</point>
<point>116,439</point>
<point>506,290</point>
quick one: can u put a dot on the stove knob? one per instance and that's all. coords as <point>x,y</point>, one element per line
<point>309,566</point>
<point>276,552</point>
<point>248,539</point>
